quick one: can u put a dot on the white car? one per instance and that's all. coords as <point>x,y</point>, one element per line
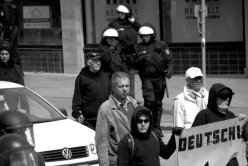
<point>60,140</point>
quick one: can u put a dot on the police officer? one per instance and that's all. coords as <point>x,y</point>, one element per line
<point>15,122</point>
<point>16,151</point>
<point>127,27</point>
<point>112,53</point>
<point>154,62</point>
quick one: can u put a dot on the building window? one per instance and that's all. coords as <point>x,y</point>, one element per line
<point>39,22</point>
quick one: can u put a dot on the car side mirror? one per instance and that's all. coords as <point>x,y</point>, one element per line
<point>63,111</point>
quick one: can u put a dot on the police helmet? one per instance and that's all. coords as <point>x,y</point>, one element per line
<point>15,150</point>
<point>110,32</point>
<point>16,122</point>
<point>123,9</point>
<point>146,30</point>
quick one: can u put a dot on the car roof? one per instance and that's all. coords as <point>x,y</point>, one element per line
<point>6,85</point>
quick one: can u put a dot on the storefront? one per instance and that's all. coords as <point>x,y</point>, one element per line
<point>54,33</point>
<point>40,35</point>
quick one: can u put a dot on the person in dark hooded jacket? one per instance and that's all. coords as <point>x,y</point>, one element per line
<point>143,145</point>
<point>219,99</point>
<point>92,88</point>
<point>154,62</point>
<point>9,71</point>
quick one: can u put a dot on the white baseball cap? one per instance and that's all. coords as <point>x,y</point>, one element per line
<point>193,72</point>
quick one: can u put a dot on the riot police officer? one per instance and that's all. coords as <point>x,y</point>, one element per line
<point>15,122</point>
<point>16,151</point>
<point>112,53</point>
<point>154,63</point>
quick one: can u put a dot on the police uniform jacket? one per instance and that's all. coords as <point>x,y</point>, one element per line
<point>159,59</point>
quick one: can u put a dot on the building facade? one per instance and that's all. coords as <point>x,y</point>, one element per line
<point>54,35</point>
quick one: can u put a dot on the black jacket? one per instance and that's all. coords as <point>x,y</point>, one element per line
<point>113,60</point>
<point>91,90</point>
<point>211,113</point>
<point>11,71</point>
<point>146,148</point>
<point>128,32</point>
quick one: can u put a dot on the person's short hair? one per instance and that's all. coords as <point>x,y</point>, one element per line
<point>118,75</point>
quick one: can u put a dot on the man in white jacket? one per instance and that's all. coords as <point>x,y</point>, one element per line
<point>193,99</point>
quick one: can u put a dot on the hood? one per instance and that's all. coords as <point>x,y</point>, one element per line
<point>134,129</point>
<point>213,93</point>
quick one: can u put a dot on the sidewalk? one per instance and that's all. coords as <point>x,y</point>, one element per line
<point>58,89</point>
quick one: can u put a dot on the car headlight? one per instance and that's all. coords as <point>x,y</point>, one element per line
<point>92,148</point>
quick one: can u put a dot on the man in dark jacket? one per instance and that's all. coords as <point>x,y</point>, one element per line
<point>92,88</point>
<point>218,105</point>
<point>143,146</point>
<point>154,62</point>
<point>219,100</point>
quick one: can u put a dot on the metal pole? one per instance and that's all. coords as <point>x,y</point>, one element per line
<point>203,39</point>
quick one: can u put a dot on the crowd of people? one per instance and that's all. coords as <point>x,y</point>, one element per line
<point>127,132</point>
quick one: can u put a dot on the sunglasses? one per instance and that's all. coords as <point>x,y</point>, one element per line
<point>140,121</point>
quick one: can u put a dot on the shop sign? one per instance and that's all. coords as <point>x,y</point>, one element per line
<point>223,21</point>
<point>36,17</point>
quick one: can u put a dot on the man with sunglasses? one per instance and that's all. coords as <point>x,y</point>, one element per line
<point>193,99</point>
<point>143,146</point>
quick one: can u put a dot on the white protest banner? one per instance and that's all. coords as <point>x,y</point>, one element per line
<point>213,144</point>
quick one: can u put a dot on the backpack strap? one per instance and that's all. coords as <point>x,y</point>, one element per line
<point>132,144</point>
<point>156,137</point>
<point>131,141</point>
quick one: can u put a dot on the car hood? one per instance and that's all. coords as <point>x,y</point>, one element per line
<point>61,134</point>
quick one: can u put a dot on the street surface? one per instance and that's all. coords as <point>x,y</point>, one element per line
<point>58,89</point>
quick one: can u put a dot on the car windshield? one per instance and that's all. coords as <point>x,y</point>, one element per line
<point>25,101</point>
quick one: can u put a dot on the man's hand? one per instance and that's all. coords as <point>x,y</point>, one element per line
<point>131,19</point>
<point>80,119</point>
<point>241,116</point>
<point>177,131</point>
<point>168,73</point>
<point>147,57</point>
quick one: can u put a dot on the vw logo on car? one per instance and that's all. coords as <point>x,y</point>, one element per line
<point>67,153</point>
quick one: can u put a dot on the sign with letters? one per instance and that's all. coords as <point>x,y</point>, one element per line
<point>36,17</point>
<point>223,21</point>
<point>212,144</point>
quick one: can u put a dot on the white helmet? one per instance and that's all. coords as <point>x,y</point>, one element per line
<point>111,32</point>
<point>123,9</point>
<point>145,30</point>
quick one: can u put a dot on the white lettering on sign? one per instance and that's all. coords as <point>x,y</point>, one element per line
<point>37,25</point>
